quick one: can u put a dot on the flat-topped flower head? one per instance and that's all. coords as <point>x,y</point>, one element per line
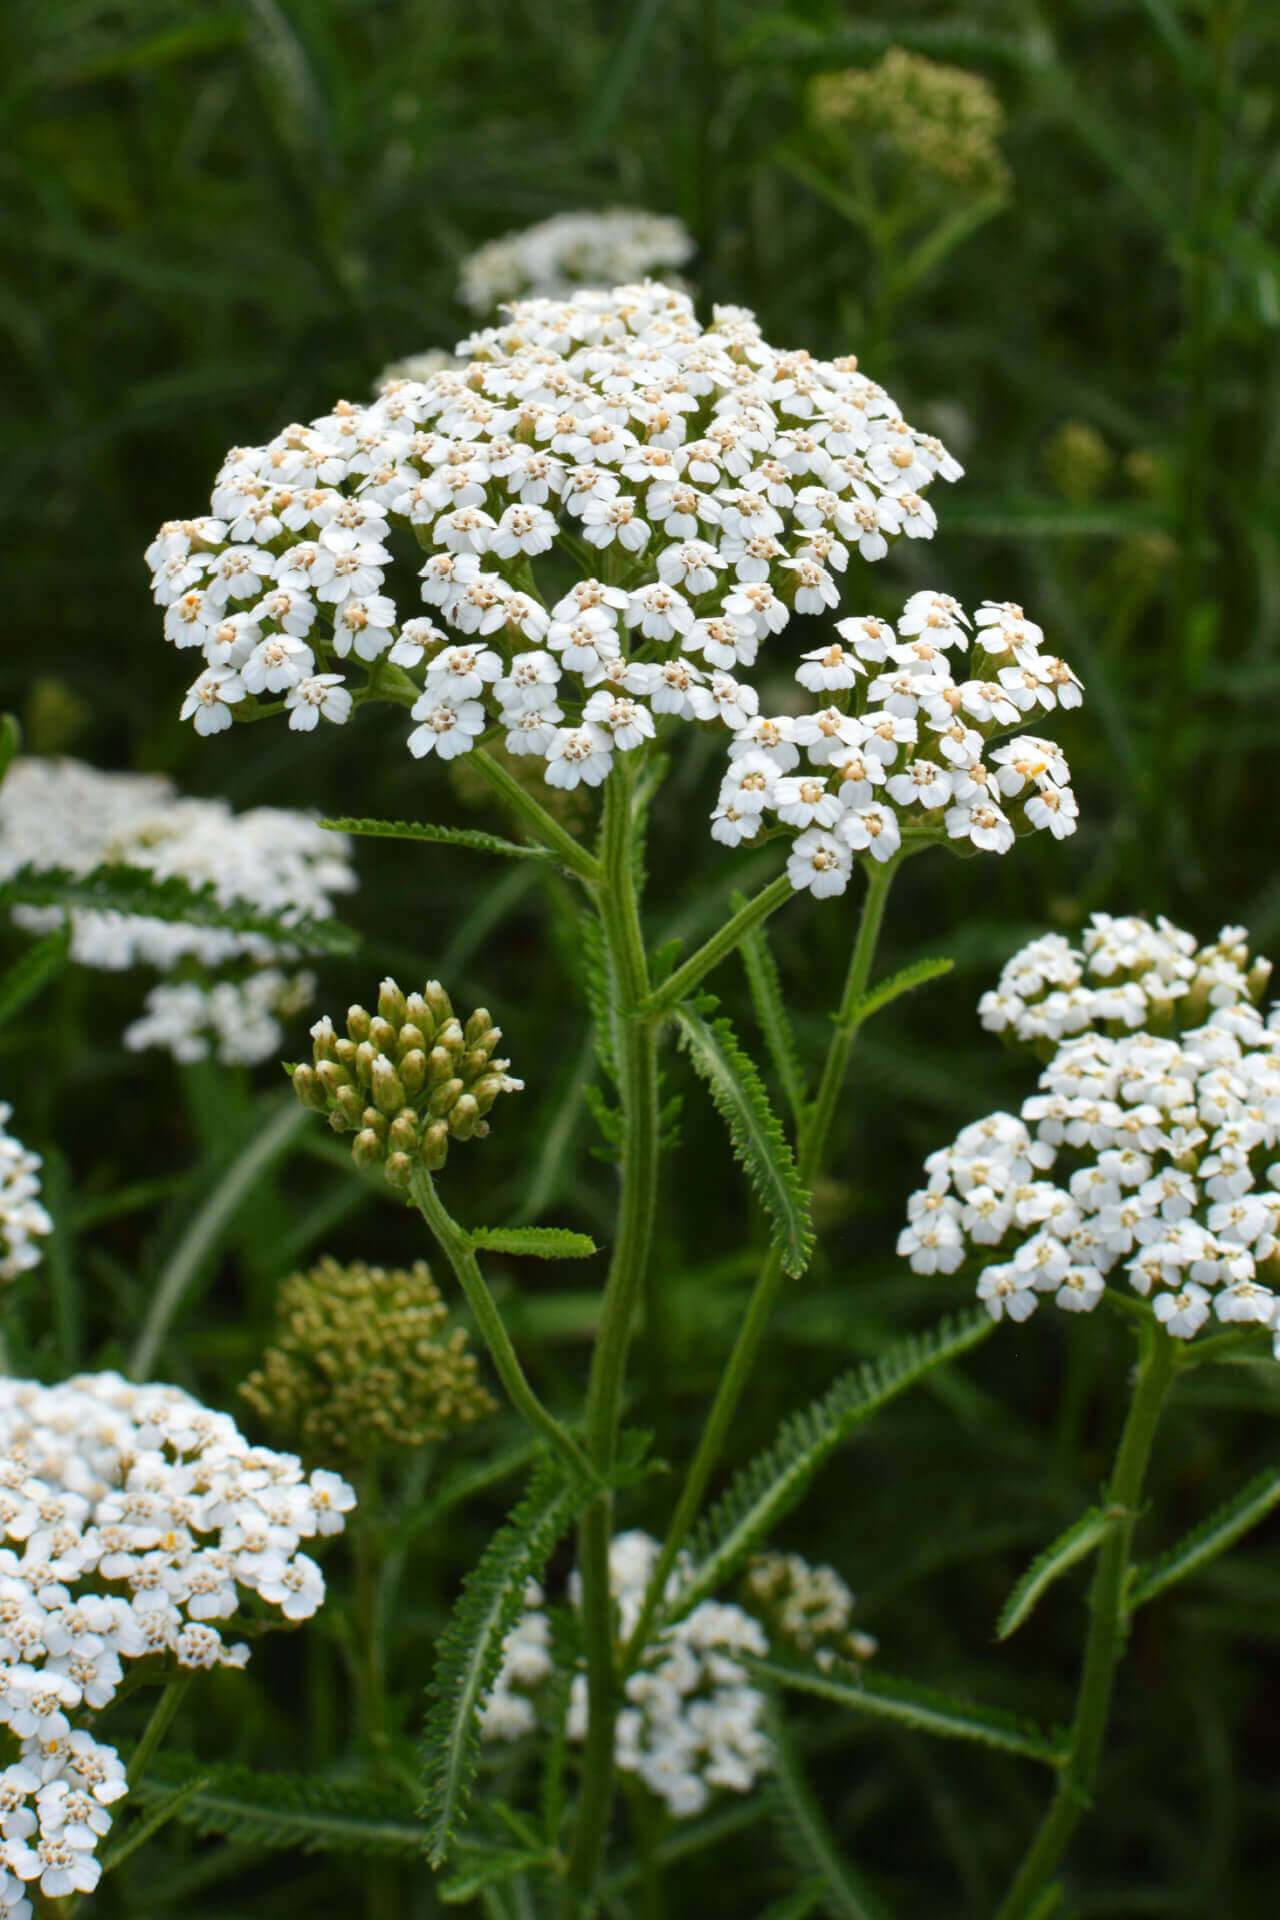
<point>572,250</point>
<point>23,1221</point>
<point>1150,1154</point>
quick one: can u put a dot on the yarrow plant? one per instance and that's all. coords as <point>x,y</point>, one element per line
<point>571,251</point>
<point>138,1524</point>
<point>23,1221</point>
<point>67,830</point>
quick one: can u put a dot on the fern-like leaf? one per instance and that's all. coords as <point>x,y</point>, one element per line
<point>539,1243</point>
<point>470,1650</point>
<point>440,836</point>
<point>31,970</point>
<point>1076,1543</point>
<point>132,890</point>
<point>805,1837</point>
<point>1210,1538</point>
<point>739,1096</point>
<point>295,1810</point>
<point>598,990</point>
<point>771,1484</point>
<point>923,1708</point>
<point>771,1012</point>
<point>489,1869</point>
<point>917,975</point>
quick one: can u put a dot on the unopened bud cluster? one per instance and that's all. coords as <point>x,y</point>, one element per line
<point>405,1080</point>
<point>940,120</point>
<point>806,1607</point>
<point>365,1360</point>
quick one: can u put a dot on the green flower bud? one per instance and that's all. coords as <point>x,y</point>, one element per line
<point>439,1066</point>
<point>388,1092</point>
<point>322,1039</point>
<point>366,1054</point>
<point>391,1004</point>
<point>411,1039</point>
<point>348,1111</point>
<point>433,1148</point>
<point>445,1096</point>
<point>357,1024</point>
<point>486,1090</point>
<point>382,1034</point>
<point>366,1149</point>
<point>376,1122</point>
<point>398,1169</point>
<point>463,1116</point>
<point>333,1078</point>
<point>344,1052</point>
<point>403,1132</point>
<point>450,1036</point>
<point>439,1002</point>
<point>480,1022</point>
<point>309,1089</point>
<point>421,1015</point>
<point>413,1072</point>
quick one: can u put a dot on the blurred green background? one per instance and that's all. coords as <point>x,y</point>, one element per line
<point>217,219</point>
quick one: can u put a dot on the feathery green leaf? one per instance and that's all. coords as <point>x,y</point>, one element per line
<point>470,1649</point>
<point>540,1243</point>
<point>759,1143</point>
<point>31,970</point>
<point>132,890</point>
<point>489,1870</point>
<point>804,1834</point>
<point>923,1708</point>
<point>1210,1538</point>
<point>598,990</point>
<point>295,1810</point>
<point>771,1012</point>
<point>917,975</point>
<point>1071,1546</point>
<point>440,836</point>
<point>771,1484</point>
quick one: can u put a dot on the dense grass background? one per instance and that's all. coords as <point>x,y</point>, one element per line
<point>215,220</point>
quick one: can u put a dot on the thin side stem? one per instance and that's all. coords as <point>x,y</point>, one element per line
<point>456,1246</point>
<point>721,944</point>
<point>634,1036</point>
<point>1107,1630</point>
<point>814,1134</point>
<point>546,830</point>
<point>157,1726</point>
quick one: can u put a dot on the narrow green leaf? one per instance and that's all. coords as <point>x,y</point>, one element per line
<point>739,1096</point>
<point>31,970</point>
<point>1213,1536</point>
<point>440,836</point>
<point>10,741</point>
<point>1070,1547</point>
<point>470,1649</point>
<point>132,890</point>
<point>771,1012</point>
<point>293,1810</point>
<point>771,1485</point>
<point>805,1835</point>
<point>923,1708</point>
<point>489,1870</point>
<point>540,1243</point>
<point>917,975</point>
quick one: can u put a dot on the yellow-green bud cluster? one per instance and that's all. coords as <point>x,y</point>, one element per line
<point>1078,460</point>
<point>405,1080</point>
<point>806,1607</point>
<point>365,1361</point>
<point>941,120</point>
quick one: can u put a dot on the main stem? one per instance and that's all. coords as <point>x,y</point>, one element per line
<point>1107,1629</point>
<point>634,1046</point>
<point>814,1135</point>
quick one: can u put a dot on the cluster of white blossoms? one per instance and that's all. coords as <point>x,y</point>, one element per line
<point>691,1719</point>
<point>1152,1148</point>
<point>23,1220</point>
<point>570,251</point>
<point>897,749</point>
<point>62,813</point>
<point>135,1520</point>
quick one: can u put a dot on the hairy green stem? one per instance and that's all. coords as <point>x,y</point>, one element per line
<point>634,1042</point>
<point>157,1726</point>
<point>1107,1629</point>
<point>544,828</point>
<point>721,944</point>
<point>455,1244</point>
<point>814,1134</point>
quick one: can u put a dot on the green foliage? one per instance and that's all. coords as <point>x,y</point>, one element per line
<point>122,889</point>
<point>1074,1544</point>
<point>10,742</point>
<point>807,1839</point>
<point>917,975</point>
<point>440,836</point>
<point>470,1650</point>
<point>1203,1544</point>
<point>771,1012</point>
<point>771,1485</point>
<point>37,966</point>
<point>923,1708</point>
<point>537,1243</point>
<point>303,1811</point>
<point>759,1143</point>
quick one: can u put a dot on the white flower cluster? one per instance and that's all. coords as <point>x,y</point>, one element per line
<point>716,484</point>
<point>135,1520</point>
<point>898,748</point>
<point>1158,1116</point>
<point>808,1607</point>
<point>573,250</point>
<point>62,813</point>
<point>691,1721</point>
<point>22,1219</point>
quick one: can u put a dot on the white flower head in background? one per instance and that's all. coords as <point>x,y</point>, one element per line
<point>691,1720</point>
<point>23,1221</point>
<point>574,250</point>
<point>1150,1153</point>
<point>64,814</point>
<point>136,1521</point>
